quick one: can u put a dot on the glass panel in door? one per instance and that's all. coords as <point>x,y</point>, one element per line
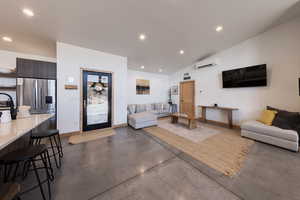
<point>96,100</point>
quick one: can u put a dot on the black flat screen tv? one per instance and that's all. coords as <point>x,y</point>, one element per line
<point>253,76</point>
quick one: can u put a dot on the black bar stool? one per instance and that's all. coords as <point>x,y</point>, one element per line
<point>55,143</point>
<point>35,157</point>
<point>10,191</point>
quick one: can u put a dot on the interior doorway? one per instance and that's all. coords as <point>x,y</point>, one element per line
<point>187,98</point>
<point>96,100</point>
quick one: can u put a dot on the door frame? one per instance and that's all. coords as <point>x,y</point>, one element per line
<point>194,107</point>
<point>81,95</point>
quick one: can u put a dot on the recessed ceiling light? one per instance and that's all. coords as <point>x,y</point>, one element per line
<point>142,67</point>
<point>160,70</point>
<point>7,39</point>
<point>142,37</point>
<point>181,52</point>
<point>219,28</point>
<point>28,12</point>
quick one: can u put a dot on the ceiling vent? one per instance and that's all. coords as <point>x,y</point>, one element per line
<point>199,66</point>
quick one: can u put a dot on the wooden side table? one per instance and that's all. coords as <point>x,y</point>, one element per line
<point>226,109</point>
<point>191,121</point>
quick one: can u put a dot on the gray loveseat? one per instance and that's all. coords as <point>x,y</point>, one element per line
<point>144,115</point>
<point>288,139</point>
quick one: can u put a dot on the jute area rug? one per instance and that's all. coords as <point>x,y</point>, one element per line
<point>90,136</point>
<point>202,132</point>
<point>223,152</point>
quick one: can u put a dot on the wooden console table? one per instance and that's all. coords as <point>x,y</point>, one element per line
<point>226,109</point>
<point>191,121</point>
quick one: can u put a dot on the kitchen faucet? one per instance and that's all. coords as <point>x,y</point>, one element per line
<point>13,111</point>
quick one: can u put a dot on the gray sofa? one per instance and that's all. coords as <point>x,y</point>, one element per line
<point>144,115</point>
<point>142,120</point>
<point>287,139</point>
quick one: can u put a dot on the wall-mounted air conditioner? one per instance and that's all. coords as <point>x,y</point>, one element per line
<point>199,66</point>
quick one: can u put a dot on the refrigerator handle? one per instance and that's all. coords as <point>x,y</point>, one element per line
<point>84,104</point>
<point>36,95</point>
<point>41,99</point>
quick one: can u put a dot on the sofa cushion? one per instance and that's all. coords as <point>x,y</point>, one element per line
<point>273,131</point>
<point>166,107</point>
<point>155,111</point>
<point>142,117</point>
<point>148,107</point>
<point>140,108</point>
<point>162,107</point>
<point>152,106</point>
<point>159,106</point>
<point>131,109</point>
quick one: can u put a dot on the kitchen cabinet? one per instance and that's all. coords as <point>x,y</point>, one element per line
<point>35,69</point>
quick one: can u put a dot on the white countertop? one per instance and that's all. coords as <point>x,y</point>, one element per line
<point>10,132</point>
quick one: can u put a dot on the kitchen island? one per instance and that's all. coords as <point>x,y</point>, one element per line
<point>12,131</point>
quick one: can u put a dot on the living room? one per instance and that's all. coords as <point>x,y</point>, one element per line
<point>150,100</point>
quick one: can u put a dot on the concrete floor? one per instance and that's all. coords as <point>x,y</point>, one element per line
<point>133,165</point>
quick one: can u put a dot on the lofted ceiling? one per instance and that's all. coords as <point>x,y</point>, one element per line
<point>114,26</point>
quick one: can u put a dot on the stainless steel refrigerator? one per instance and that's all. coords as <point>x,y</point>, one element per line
<point>39,94</point>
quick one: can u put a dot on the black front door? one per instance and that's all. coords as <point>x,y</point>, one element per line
<point>97,100</point>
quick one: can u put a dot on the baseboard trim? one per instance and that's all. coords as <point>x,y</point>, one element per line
<point>120,125</point>
<point>217,123</point>
<point>69,134</point>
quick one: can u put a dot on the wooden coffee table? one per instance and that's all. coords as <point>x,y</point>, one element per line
<point>191,121</point>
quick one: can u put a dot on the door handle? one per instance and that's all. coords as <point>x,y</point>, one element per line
<point>84,103</point>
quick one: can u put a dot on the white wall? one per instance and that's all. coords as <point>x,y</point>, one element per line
<point>279,48</point>
<point>8,60</point>
<point>159,85</point>
<point>69,61</point>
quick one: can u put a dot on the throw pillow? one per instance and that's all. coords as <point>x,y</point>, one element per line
<point>285,119</point>
<point>297,128</point>
<point>148,107</point>
<point>282,123</point>
<point>267,117</point>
